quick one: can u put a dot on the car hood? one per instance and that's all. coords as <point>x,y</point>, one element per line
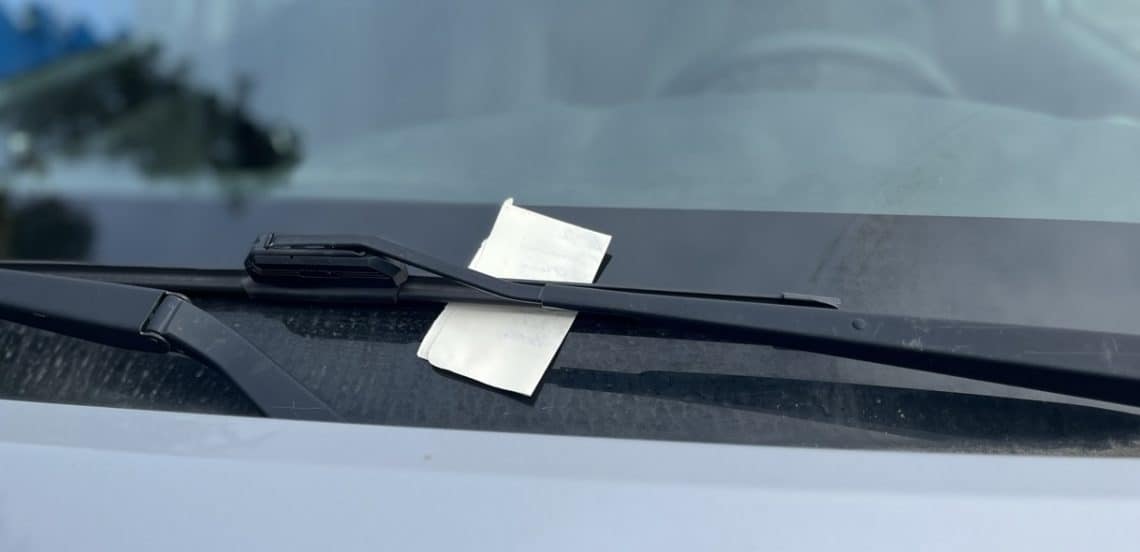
<point>108,479</point>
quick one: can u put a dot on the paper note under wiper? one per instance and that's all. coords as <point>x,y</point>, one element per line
<point>511,347</point>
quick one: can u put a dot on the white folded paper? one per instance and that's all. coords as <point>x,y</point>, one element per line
<point>511,347</point>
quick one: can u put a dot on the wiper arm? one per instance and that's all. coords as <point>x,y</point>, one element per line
<point>1095,365</point>
<point>155,321</point>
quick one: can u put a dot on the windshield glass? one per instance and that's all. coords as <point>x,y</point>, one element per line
<point>1010,108</point>
<point>813,147</point>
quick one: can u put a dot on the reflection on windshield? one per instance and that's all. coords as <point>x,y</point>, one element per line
<point>66,95</point>
<point>44,229</point>
<point>1008,108</point>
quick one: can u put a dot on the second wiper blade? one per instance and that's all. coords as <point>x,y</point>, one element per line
<point>1095,365</point>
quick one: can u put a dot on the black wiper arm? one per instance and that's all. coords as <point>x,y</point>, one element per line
<point>1094,365</point>
<point>156,321</point>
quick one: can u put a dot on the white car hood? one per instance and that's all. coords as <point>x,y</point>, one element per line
<point>88,478</point>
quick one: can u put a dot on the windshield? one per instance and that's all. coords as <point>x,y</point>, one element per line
<point>1013,108</point>
<point>968,160</point>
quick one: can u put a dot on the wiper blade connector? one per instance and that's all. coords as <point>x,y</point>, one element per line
<point>1095,365</point>
<point>154,321</point>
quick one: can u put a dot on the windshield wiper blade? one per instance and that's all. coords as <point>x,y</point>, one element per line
<point>1094,365</point>
<point>155,321</point>
<point>236,284</point>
